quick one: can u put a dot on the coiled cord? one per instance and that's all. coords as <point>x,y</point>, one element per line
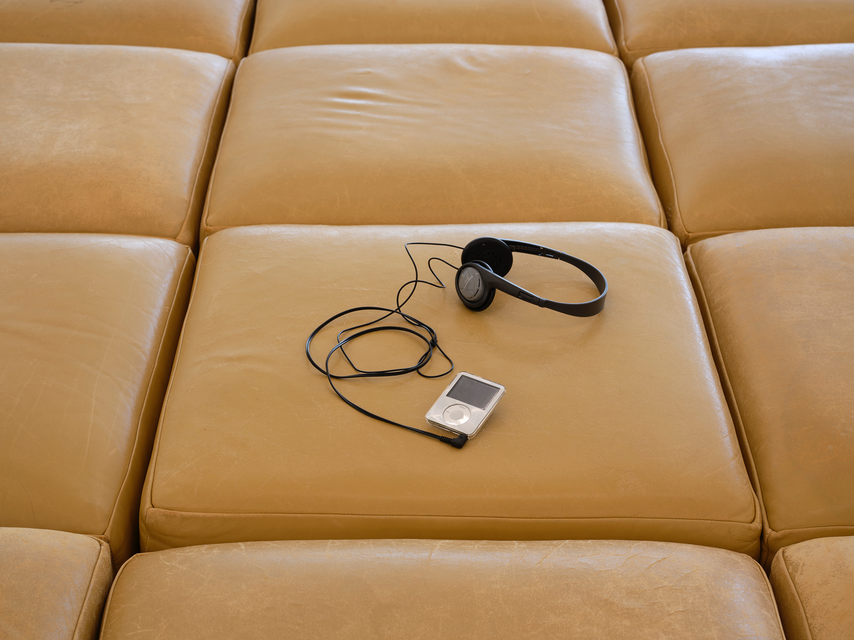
<point>422,331</point>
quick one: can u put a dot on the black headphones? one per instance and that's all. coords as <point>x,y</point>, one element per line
<point>486,260</point>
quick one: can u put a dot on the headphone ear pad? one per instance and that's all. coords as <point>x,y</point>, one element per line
<point>471,289</point>
<point>491,251</point>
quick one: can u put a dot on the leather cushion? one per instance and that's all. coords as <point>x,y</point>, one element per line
<point>745,139</point>
<point>54,584</point>
<point>88,328</point>
<point>814,585</point>
<point>427,134</point>
<point>612,427</point>
<point>779,305</point>
<point>210,26</point>
<point>102,139</point>
<point>442,589</point>
<point>560,23</point>
<point>642,27</point>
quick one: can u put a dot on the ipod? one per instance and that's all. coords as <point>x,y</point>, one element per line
<point>465,405</point>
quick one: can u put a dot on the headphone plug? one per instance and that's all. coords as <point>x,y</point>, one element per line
<point>457,442</point>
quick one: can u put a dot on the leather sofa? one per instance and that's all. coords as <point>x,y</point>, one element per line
<point>177,218</point>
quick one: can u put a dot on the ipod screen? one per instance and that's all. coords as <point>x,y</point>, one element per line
<point>473,392</point>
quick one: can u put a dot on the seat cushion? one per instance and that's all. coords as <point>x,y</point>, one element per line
<point>210,26</point>
<point>54,584</point>
<point>442,589</point>
<point>779,305</point>
<point>642,27</point>
<point>88,328</point>
<point>558,23</point>
<point>744,139</point>
<point>102,139</point>
<point>814,586</point>
<point>430,134</point>
<point>612,426</point>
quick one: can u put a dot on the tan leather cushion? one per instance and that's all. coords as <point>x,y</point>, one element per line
<point>814,585</point>
<point>88,327</point>
<point>642,27</point>
<point>442,589</point>
<point>53,584</point>
<point>108,139</point>
<point>211,26</point>
<point>559,23</point>
<point>779,306</point>
<point>745,139</point>
<point>612,427</point>
<point>430,134</point>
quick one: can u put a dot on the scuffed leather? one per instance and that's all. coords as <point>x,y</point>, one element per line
<point>752,138</point>
<point>88,328</point>
<point>642,27</point>
<point>779,308</point>
<point>612,427</point>
<point>52,584</point>
<point>210,26</point>
<point>388,589</point>
<point>100,139</point>
<point>430,134</point>
<point>814,585</point>
<point>582,24</point>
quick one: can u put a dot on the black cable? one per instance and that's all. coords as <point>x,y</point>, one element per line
<point>346,336</point>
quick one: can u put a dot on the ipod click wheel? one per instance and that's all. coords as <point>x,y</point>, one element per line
<point>465,405</point>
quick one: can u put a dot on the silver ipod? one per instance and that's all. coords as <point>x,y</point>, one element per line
<point>465,404</point>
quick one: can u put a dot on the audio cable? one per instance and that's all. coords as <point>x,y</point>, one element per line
<point>421,331</point>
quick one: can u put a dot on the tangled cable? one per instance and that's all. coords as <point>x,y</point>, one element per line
<point>423,331</point>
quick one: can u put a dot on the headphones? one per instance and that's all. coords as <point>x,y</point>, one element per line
<point>485,262</point>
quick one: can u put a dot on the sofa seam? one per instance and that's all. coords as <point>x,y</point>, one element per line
<point>152,466</point>
<point>664,50</point>
<point>112,591</point>
<point>723,374</point>
<point>773,599</point>
<point>206,147</point>
<point>103,549</point>
<point>819,526</point>
<point>662,217</point>
<point>693,237</point>
<point>250,50</point>
<point>441,516</point>
<point>660,135</point>
<point>795,591</point>
<point>209,191</point>
<point>177,288</point>
<point>622,26</point>
<point>241,28</point>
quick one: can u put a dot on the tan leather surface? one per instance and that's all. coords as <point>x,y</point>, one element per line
<point>430,134</point>
<point>442,589</point>
<point>642,27</point>
<point>814,586</point>
<point>88,328</point>
<point>745,139</point>
<point>779,305</point>
<point>582,24</point>
<point>612,426</point>
<point>53,584</point>
<point>108,139</point>
<point>210,26</point>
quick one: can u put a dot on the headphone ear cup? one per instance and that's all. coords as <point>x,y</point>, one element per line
<point>492,251</point>
<point>472,290</point>
<point>486,301</point>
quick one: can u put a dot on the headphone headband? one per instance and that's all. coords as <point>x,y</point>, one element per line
<point>487,260</point>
